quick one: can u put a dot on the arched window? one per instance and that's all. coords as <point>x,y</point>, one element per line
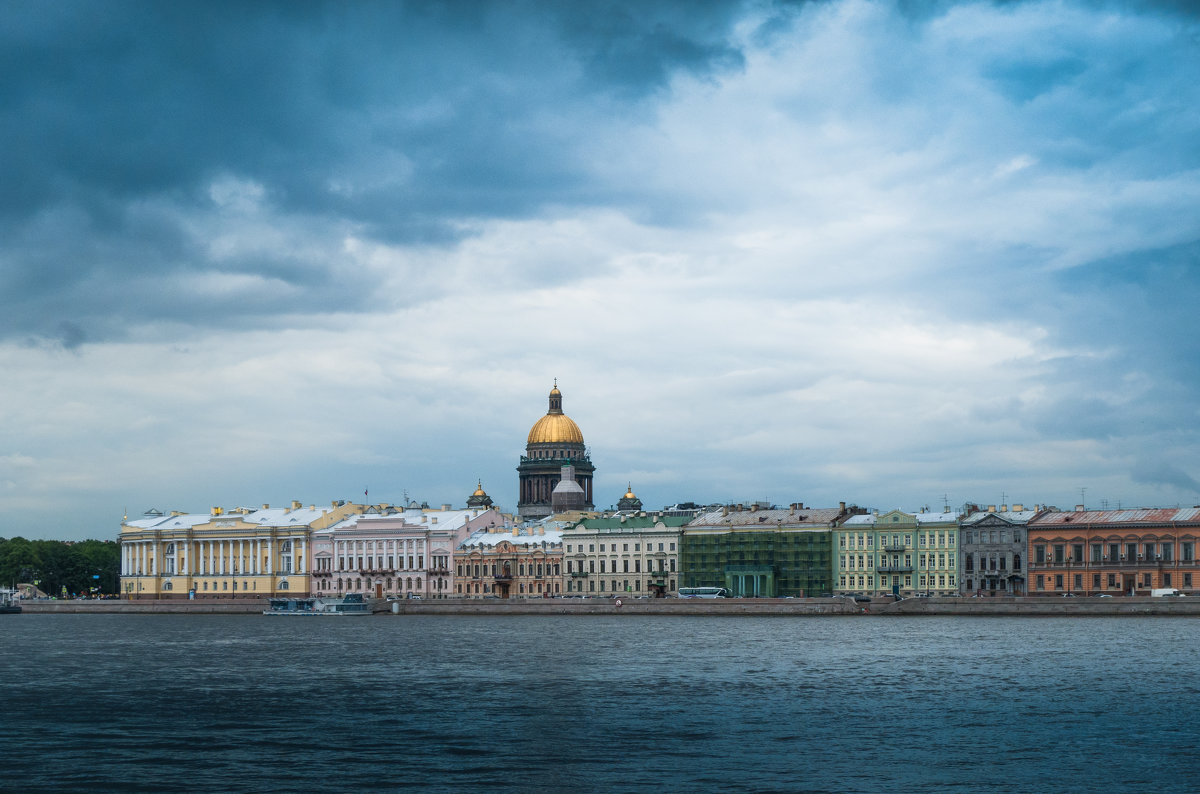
<point>283,585</point>
<point>166,585</point>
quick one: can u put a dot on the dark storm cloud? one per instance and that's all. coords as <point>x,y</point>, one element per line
<point>400,121</point>
<point>1156,472</point>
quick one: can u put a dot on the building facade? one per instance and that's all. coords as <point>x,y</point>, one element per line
<point>897,553</point>
<point>394,553</point>
<point>240,552</point>
<point>761,551</point>
<point>630,554</point>
<point>992,557</point>
<point>509,561</point>
<point>1113,552</point>
<point>554,441</point>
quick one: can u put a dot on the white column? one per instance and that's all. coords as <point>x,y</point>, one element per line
<point>300,566</point>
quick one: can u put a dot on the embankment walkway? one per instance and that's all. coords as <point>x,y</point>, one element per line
<point>732,607</point>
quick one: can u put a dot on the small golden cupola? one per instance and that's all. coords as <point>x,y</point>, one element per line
<point>629,501</point>
<point>479,498</point>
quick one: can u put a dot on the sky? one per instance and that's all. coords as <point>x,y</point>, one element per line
<point>897,254</point>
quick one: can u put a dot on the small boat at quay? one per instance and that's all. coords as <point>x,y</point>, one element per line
<point>349,605</point>
<point>8,602</point>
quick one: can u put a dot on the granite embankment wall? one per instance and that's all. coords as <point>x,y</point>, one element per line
<point>780,607</point>
<point>1046,606</point>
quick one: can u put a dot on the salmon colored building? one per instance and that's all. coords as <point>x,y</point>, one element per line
<point>1114,552</point>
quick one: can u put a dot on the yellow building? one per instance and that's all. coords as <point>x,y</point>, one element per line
<point>223,554</point>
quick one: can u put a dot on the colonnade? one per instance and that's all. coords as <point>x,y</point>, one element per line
<point>218,557</point>
<point>380,554</point>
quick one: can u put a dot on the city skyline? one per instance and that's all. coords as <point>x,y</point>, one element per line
<point>890,254</point>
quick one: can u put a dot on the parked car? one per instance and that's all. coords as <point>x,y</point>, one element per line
<point>1101,595</point>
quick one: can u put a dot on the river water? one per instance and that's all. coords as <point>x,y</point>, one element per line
<point>598,703</point>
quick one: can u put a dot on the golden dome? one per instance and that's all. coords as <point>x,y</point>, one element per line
<point>555,427</point>
<point>629,493</point>
<point>479,489</point>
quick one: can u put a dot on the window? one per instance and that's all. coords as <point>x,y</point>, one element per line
<point>1187,580</point>
<point>624,547</point>
<point>1096,552</point>
<point>1187,551</point>
<point>1166,580</point>
<point>672,547</point>
<point>1078,581</point>
<point>1039,554</point>
<point>1059,553</point>
<point>601,547</point>
<point>1167,552</point>
<point>1041,582</point>
<point>1077,552</point>
<point>1058,581</point>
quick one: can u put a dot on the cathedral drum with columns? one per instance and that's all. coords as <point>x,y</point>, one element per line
<point>554,441</point>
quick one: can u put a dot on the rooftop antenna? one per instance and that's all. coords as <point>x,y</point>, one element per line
<point>1003,498</point>
<point>1082,497</point>
<point>945,503</point>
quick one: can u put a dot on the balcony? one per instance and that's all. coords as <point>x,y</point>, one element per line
<point>578,574</point>
<point>897,568</point>
<point>502,577</point>
<point>894,548</point>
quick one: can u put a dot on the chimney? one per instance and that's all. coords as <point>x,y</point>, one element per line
<point>295,504</point>
<point>445,507</point>
<point>1078,508</point>
<point>841,507</point>
<point>216,511</point>
<point>266,507</point>
<point>1018,508</point>
<point>516,532</point>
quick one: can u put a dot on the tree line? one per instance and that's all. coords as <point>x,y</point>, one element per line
<point>84,568</point>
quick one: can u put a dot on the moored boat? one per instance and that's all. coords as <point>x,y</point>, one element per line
<point>351,604</point>
<point>8,602</point>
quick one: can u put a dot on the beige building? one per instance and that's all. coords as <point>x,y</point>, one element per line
<point>625,554</point>
<point>222,554</point>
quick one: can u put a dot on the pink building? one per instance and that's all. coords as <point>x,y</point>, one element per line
<point>396,553</point>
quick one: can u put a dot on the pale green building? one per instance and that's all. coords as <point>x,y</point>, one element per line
<point>896,553</point>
